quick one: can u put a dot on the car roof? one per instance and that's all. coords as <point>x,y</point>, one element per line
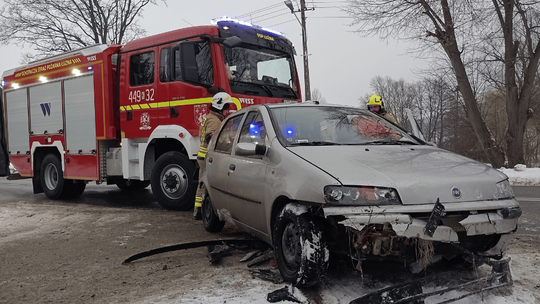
<point>295,105</point>
<point>308,104</point>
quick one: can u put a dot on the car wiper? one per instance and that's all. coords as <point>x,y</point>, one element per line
<point>389,142</point>
<point>316,143</point>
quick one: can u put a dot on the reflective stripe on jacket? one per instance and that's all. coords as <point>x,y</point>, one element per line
<point>209,125</point>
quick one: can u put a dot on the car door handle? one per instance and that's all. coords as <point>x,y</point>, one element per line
<point>232,167</point>
<point>210,160</point>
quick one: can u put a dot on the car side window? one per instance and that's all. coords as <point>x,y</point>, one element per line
<point>226,137</point>
<point>253,130</point>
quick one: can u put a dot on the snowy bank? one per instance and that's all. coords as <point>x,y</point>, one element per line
<point>523,176</point>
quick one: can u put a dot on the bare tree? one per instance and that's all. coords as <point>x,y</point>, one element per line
<point>459,28</point>
<point>397,95</point>
<point>316,95</point>
<point>55,26</point>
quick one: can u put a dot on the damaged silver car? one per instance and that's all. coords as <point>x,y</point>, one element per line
<point>313,179</point>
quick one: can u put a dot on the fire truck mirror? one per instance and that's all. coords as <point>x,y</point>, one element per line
<point>188,62</point>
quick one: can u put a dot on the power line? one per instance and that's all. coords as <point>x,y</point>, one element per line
<point>259,10</point>
<point>271,26</point>
<point>283,14</point>
<point>258,18</point>
<point>332,17</point>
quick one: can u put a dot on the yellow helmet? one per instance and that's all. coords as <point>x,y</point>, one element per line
<point>374,100</point>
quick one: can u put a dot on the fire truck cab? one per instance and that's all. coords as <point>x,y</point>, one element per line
<point>130,115</point>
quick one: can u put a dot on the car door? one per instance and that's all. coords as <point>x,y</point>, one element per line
<point>247,176</point>
<point>218,161</point>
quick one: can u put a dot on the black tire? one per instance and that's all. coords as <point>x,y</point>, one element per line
<point>52,178</point>
<point>172,181</point>
<point>78,188</point>
<point>210,219</point>
<point>130,184</point>
<point>301,252</point>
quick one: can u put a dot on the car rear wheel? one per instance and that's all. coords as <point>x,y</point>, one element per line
<point>301,252</point>
<point>172,181</point>
<point>209,217</point>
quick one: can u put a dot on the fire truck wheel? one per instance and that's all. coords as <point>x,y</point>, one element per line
<point>172,181</point>
<point>52,179</point>
<point>78,188</point>
<point>130,184</point>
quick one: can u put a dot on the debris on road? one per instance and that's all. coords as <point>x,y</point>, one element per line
<point>250,255</point>
<point>231,242</point>
<point>286,294</point>
<point>215,253</point>
<point>267,275</point>
<point>269,254</point>
<point>413,291</point>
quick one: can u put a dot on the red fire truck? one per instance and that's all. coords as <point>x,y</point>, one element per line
<point>129,115</point>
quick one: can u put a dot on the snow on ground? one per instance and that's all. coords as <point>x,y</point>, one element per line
<point>339,290</point>
<point>343,289</point>
<point>523,176</point>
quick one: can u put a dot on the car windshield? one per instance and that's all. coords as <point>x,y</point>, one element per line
<point>323,125</point>
<point>260,72</point>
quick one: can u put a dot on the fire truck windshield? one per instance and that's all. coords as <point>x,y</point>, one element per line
<point>260,72</point>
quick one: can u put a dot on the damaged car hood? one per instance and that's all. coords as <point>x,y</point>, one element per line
<point>421,174</point>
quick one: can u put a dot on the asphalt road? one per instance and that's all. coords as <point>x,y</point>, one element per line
<point>529,200</point>
<point>71,251</point>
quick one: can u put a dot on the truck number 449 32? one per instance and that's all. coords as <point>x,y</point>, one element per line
<point>141,95</point>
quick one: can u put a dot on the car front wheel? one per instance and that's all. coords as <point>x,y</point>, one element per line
<point>301,252</point>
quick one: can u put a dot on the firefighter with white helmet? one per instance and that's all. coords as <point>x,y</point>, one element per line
<point>210,123</point>
<point>375,104</point>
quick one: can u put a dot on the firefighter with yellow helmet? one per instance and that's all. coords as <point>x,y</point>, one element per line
<point>375,104</point>
<point>210,123</point>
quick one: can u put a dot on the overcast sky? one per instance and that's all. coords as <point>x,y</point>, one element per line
<point>341,63</point>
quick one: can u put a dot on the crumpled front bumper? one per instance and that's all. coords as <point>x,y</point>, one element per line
<point>500,219</point>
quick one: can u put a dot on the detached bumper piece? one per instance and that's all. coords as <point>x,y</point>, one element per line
<point>412,292</point>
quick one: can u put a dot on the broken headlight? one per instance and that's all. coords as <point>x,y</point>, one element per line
<point>361,196</point>
<point>503,190</point>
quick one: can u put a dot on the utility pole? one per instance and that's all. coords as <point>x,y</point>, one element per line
<point>307,87</point>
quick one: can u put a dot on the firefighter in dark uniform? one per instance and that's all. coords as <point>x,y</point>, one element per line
<point>209,125</point>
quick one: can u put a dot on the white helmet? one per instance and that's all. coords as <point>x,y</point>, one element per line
<point>220,99</point>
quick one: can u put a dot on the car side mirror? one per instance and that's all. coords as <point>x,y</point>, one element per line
<point>250,149</point>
